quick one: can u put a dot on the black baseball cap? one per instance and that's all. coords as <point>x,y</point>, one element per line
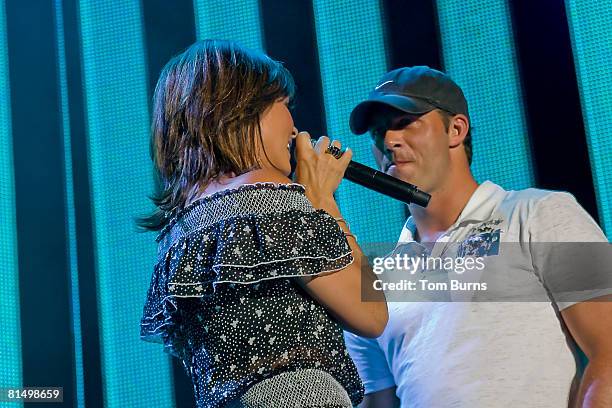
<point>415,90</point>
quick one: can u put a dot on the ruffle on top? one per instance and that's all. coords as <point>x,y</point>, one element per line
<point>247,235</point>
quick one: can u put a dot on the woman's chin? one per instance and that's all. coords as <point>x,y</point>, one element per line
<point>284,168</point>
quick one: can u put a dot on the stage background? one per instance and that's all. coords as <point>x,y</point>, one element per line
<point>76,79</point>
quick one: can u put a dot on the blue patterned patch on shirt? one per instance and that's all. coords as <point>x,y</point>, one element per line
<point>482,240</point>
<point>480,245</point>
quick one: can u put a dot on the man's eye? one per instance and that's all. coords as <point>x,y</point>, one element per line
<point>401,123</point>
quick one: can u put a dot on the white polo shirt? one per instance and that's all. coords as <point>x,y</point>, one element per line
<point>484,354</point>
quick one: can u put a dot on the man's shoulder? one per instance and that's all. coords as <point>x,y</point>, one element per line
<point>536,195</point>
<point>522,213</point>
<point>550,212</point>
<point>534,199</point>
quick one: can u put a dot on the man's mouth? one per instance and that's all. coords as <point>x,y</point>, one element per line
<point>397,163</point>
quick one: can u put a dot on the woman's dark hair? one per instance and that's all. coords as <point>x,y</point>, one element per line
<point>207,106</point>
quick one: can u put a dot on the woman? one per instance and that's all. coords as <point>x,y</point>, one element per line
<point>256,276</point>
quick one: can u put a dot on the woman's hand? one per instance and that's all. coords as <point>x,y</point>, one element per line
<point>319,172</point>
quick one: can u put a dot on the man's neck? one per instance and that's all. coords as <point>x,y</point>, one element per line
<point>444,208</point>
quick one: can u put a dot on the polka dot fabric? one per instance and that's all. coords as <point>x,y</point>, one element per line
<point>223,297</point>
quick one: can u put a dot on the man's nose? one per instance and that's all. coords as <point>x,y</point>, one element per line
<point>393,139</point>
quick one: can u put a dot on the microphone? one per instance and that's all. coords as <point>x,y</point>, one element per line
<point>380,182</point>
<point>385,184</point>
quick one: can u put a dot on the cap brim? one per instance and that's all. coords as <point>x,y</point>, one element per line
<point>361,116</point>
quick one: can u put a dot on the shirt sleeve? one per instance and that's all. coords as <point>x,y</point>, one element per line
<point>370,362</point>
<point>570,253</point>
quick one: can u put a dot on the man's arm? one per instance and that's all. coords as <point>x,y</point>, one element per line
<point>381,399</point>
<point>590,324</point>
<point>560,219</point>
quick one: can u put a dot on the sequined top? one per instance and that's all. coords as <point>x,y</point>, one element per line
<point>224,300</point>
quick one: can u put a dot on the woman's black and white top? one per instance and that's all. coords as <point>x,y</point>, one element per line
<point>223,299</point>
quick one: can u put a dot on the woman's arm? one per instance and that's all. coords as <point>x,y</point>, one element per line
<point>361,312</point>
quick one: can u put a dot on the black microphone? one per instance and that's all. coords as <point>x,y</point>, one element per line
<point>385,184</point>
<point>380,182</point>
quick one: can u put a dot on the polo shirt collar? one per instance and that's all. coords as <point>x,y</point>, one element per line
<point>479,207</point>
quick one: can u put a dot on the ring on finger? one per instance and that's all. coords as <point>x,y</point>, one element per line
<point>335,151</point>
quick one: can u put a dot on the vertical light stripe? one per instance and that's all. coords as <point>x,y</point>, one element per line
<point>10,336</point>
<point>352,55</point>
<point>479,54</point>
<point>69,203</point>
<point>589,23</point>
<point>135,373</point>
<point>229,20</point>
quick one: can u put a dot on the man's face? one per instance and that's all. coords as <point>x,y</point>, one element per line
<point>414,149</point>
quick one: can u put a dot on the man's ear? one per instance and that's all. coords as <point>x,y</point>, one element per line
<point>458,130</point>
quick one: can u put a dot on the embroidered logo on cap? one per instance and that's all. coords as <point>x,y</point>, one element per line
<point>384,83</point>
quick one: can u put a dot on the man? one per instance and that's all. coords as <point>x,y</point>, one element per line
<point>479,354</point>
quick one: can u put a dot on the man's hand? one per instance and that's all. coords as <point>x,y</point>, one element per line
<point>381,399</point>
